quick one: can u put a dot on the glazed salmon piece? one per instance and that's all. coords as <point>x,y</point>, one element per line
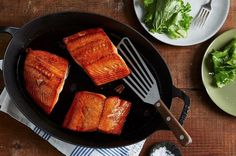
<point>74,37</point>
<point>107,69</point>
<point>85,55</point>
<point>85,112</point>
<point>114,115</point>
<point>94,52</point>
<point>84,38</point>
<point>44,76</point>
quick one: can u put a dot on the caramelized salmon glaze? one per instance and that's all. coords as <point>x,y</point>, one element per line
<point>92,111</point>
<point>114,115</point>
<point>44,75</point>
<point>85,112</point>
<point>95,53</point>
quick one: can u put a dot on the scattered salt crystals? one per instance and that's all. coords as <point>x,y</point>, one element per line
<point>162,151</point>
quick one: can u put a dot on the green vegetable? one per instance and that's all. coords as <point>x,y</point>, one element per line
<point>168,16</point>
<point>225,64</point>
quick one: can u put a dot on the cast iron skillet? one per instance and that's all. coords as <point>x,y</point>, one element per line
<point>46,33</point>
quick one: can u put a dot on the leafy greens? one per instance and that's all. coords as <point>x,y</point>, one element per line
<point>168,16</point>
<point>225,64</point>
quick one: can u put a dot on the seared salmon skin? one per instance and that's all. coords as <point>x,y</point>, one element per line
<point>44,76</point>
<point>93,50</point>
<point>114,115</point>
<point>85,112</point>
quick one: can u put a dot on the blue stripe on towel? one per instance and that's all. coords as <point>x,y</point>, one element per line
<point>46,136</point>
<point>114,151</point>
<point>37,130</point>
<point>105,152</point>
<point>74,151</point>
<point>34,128</point>
<point>88,152</point>
<point>125,150</point>
<point>121,151</point>
<point>83,151</point>
<point>79,151</point>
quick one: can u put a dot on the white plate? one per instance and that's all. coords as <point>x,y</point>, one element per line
<point>216,19</point>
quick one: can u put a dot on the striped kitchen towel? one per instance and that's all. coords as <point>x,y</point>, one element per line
<point>7,106</point>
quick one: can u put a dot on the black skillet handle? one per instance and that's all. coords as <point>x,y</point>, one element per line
<point>9,30</point>
<point>179,93</point>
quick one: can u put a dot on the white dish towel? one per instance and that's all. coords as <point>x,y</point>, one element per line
<point>7,106</point>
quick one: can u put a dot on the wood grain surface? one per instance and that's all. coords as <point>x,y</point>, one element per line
<point>213,131</point>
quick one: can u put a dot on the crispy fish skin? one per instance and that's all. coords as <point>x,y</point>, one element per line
<point>114,115</point>
<point>91,49</point>
<point>85,112</point>
<point>44,76</point>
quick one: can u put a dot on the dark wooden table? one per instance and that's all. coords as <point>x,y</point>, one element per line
<point>213,131</point>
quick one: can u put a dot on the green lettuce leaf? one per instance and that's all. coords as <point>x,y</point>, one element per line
<point>170,17</point>
<point>225,64</point>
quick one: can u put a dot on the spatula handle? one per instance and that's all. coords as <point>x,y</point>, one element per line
<point>180,133</point>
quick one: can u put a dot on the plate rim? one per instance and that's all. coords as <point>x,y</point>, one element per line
<point>188,44</point>
<point>202,70</point>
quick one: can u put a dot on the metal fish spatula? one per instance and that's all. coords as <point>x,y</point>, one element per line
<point>142,82</point>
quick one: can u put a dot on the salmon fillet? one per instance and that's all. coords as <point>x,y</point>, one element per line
<point>44,76</point>
<point>94,52</point>
<point>85,112</point>
<point>107,69</point>
<point>83,38</point>
<point>114,115</point>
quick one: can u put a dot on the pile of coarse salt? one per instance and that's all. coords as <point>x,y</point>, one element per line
<point>162,151</point>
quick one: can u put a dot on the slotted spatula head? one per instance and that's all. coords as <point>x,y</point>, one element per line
<point>141,80</point>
